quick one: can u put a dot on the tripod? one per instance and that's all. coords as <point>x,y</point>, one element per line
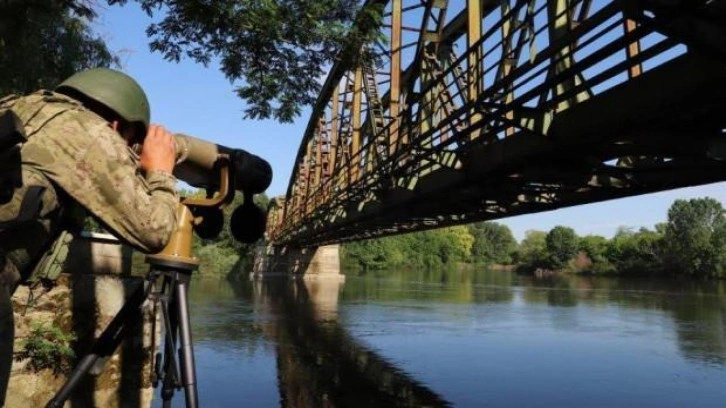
<point>167,285</point>
<point>172,269</point>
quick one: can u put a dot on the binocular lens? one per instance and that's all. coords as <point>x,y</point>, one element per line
<point>253,174</point>
<point>248,222</point>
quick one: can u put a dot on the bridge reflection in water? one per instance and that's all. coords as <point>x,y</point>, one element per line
<point>319,363</point>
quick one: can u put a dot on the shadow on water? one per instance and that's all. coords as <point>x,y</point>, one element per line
<point>319,363</point>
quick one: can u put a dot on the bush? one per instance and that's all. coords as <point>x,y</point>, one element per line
<point>635,252</point>
<point>47,347</point>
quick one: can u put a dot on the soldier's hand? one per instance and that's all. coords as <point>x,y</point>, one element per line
<point>159,151</point>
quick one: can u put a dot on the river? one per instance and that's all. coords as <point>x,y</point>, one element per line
<point>470,338</point>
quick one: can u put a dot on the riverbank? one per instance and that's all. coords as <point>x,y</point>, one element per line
<point>691,243</point>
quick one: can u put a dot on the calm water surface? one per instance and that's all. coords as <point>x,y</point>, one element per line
<point>460,338</point>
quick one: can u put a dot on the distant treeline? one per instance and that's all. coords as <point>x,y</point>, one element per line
<point>691,242</point>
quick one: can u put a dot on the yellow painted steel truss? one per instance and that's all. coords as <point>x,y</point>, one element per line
<point>481,109</point>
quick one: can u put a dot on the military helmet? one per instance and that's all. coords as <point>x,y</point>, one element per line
<point>113,89</point>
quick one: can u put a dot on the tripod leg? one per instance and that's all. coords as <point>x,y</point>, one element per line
<point>104,346</point>
<point>171,323</point>
<point>7,335</point>
<point>186,351</point>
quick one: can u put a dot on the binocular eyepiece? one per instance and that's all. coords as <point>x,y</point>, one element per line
<point>198,164</point>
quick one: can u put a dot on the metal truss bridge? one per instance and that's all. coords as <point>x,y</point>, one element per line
<point>474,110</point>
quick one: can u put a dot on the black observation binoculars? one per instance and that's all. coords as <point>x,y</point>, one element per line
<point>200,163</point>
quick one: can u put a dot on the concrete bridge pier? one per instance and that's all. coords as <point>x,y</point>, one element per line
<point>304,263</point>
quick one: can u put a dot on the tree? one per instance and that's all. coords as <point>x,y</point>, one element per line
<point>695,237</point>
<point>43,42</point>
<point>455,244</point>
<point>532,251</point>
<point>276,51</point>
<point>425,249</point>
<point>635,253</point>
<point>595,247</point>
<point>493,243</point>
<point>367,254</point>
<point>561,245</point>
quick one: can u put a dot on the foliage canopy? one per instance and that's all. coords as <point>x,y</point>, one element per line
<point>493,243</point>
<point>692,243</point>
<point>44,42</point>
<point>561,243</point>
<point>276,51</point>
<point>695,237</point>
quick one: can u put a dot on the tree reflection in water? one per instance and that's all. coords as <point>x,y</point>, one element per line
<point>698,308</point>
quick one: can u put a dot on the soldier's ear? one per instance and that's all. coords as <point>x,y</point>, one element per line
<point>127,134</point>
<point>130,132</point>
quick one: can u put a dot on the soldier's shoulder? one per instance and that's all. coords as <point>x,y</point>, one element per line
<point>41,95</point>
<point>66,125</point>
<point>28,106</point>
<point>73,111</point>
<point>9,99</point>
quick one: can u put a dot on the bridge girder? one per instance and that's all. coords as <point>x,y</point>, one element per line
<point>551,103</point>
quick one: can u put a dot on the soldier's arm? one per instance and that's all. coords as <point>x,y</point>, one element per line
<point>161,218</point>
<point>138,209</point>
<point>92,164</point>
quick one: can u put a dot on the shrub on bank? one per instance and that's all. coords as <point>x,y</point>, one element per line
<point>47,346</point>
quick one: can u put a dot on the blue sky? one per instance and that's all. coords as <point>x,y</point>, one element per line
<point>189,98</point>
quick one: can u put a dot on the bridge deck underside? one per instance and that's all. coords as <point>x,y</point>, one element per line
<point>641,119</point>
<point>661,129</point>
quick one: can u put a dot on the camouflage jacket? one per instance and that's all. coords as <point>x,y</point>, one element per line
<point>90,163</point>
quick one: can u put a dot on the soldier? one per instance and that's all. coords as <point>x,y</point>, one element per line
<point>78,153</point>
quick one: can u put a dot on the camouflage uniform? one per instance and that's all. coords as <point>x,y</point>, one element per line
<point>78,158</point>
<point>90,163</point>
